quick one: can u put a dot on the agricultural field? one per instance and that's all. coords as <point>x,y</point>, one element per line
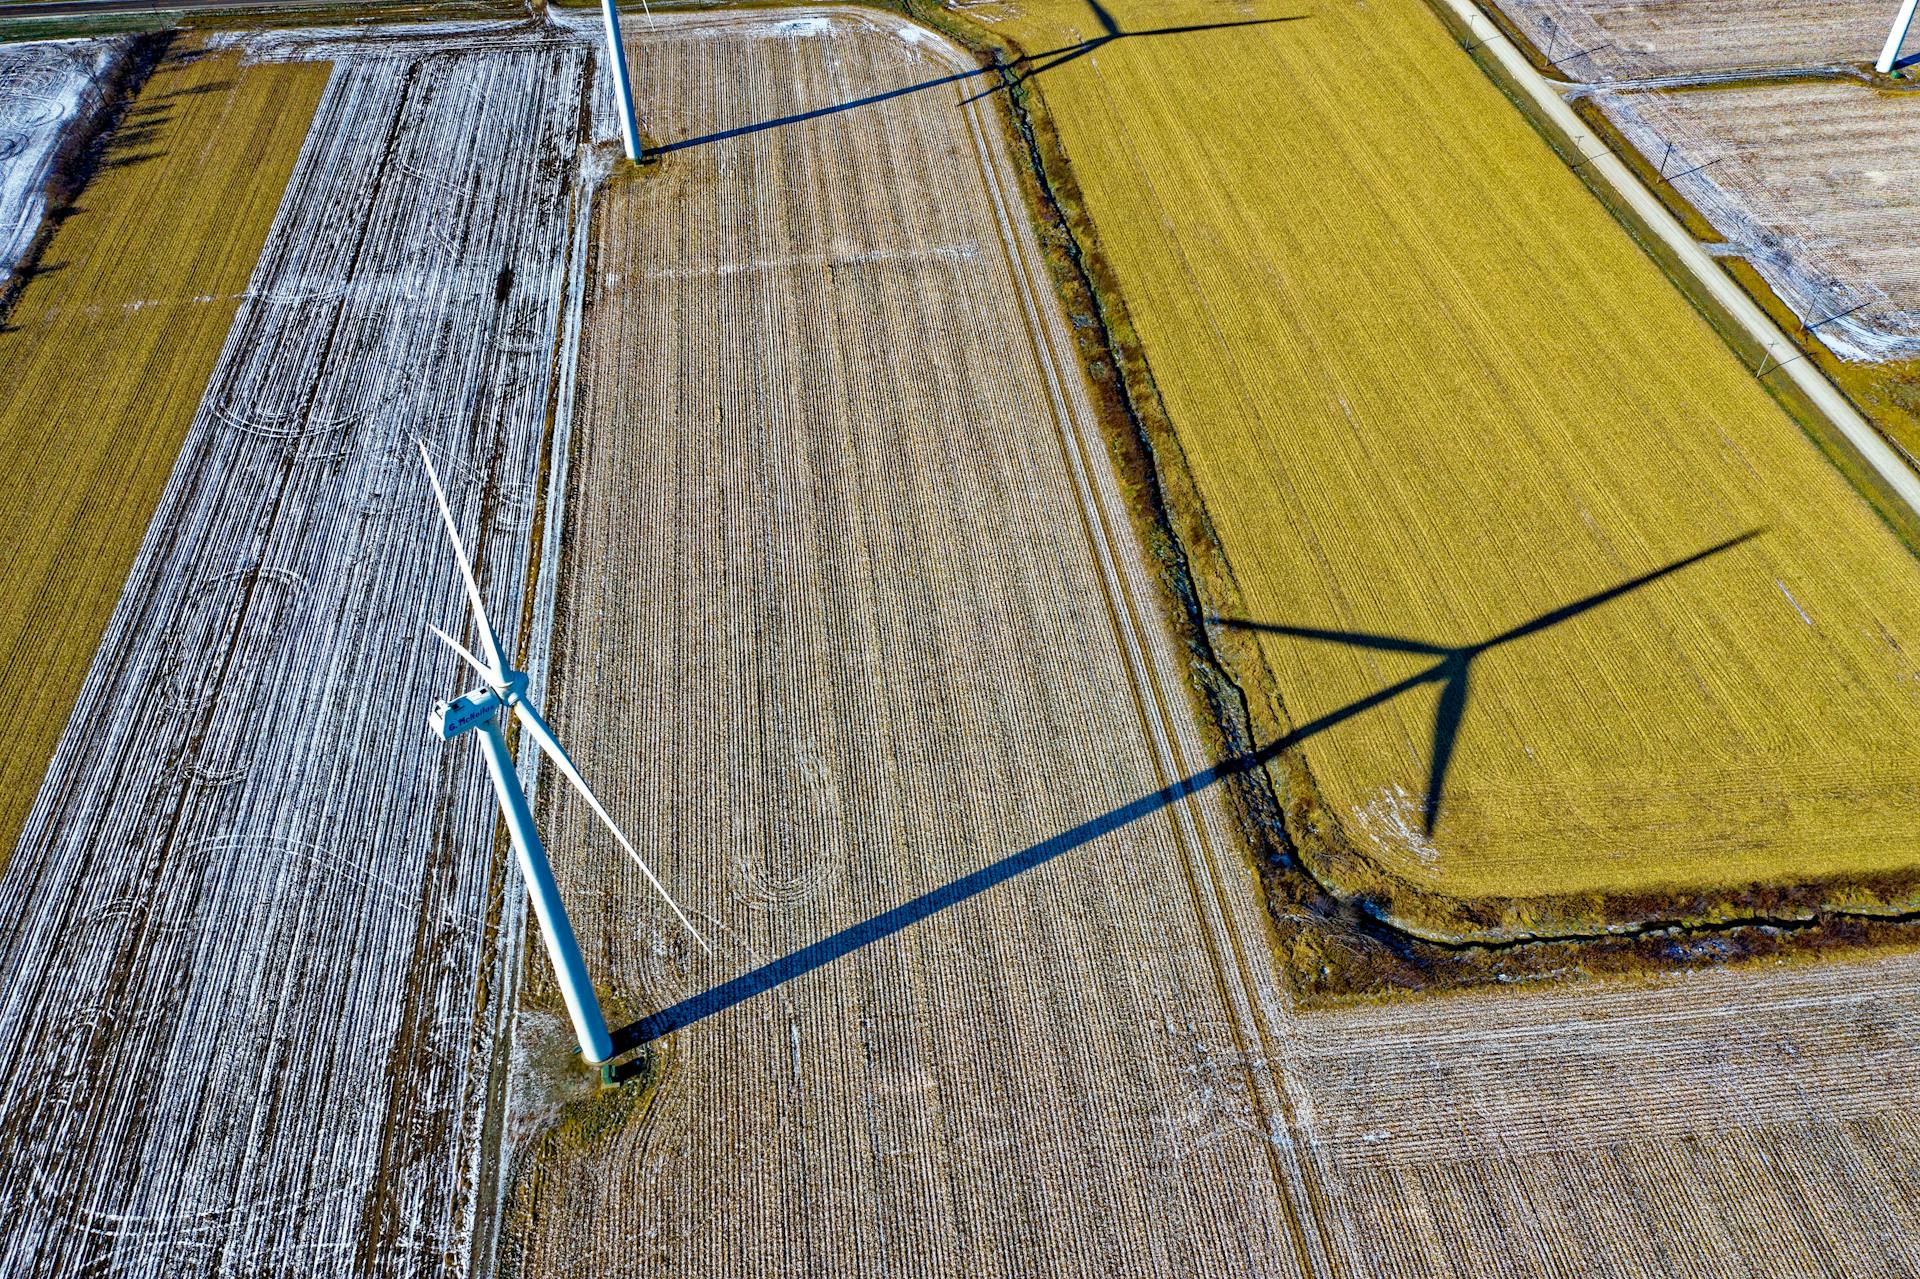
<point>1721,1122</point>
<point>1814,184</point>
<point>856,632</point>
<point>44,88</point>
<point>1533,565</point>
<point>103,359</point>
<point>1792,160</point>
<point>252,921</point>
<point>832,564</point>
<point>1600,40</point>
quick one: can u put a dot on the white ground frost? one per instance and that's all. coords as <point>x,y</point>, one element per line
<point>244,937</point>
<point>45,87</point>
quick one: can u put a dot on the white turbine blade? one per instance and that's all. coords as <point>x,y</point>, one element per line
<point>463,650</point>
<point>551,745</point>
<point>488,639</point>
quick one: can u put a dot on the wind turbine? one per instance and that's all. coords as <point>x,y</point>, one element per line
<point>1901,21</point>
<point>622,87</point>
<point>506,687</point>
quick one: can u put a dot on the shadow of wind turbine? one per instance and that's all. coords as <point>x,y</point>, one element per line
<point>1450,668</point>
<point>1021,68</point>
<point>1453,669</point>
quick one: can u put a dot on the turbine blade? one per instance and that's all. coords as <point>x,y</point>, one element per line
<point>488,639</point>
<point>551,745</point>
<point>463,650</point>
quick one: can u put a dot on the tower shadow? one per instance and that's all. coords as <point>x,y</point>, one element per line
<point>1451,669</point>
<point>1021,69</point>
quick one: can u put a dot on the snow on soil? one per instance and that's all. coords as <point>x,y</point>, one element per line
<point>1827,238</point>
<point>44,87</point>
<point>244,938</point>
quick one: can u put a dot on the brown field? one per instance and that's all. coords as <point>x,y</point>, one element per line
<point>1431,397</point>
<point>103,360</point>
<point>848,624</point>
<point>1728,1123</point>
<point>1816,184</point>
<point>1640,38</point>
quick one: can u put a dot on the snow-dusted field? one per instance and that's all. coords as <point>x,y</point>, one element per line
<point>249,964</point>
<point>1816,184</point>
<point>44,87</point>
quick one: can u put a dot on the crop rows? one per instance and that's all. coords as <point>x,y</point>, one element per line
<point>1432,396</point>
<point>1603,40</point>
<point>854,615</point>
<point>1814,184</point>
<point>248,923</point>
<point>103,360</point>
<point>1714,1124</point>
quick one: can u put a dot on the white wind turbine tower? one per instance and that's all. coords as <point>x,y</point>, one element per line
<point>506,687</point>
<point>1896,37</point>
<point>622,87</point>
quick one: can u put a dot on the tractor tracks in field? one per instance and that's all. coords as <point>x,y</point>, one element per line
<point>1232,915</point>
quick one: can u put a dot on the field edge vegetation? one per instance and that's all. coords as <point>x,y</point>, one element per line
<point>1337,947</point>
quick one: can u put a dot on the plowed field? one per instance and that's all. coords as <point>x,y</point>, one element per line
<point>859,641</point>
<point>1611,39</point>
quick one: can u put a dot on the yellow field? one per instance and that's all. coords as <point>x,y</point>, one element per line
<point>1427,388</point>
<point>103,362</point>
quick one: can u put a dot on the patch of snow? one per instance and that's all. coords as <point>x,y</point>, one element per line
<point>44,87</point>
<point>1796,603</point>
<point>1394,820</point>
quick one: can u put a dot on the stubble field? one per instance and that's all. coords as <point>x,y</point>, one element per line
<point>856,635</point>
<point>1815,184</point>
<point>1479,477</point>
<point>103,361</point>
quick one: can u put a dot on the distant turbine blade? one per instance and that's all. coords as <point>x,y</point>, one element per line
<point>551,745</point>
<point>488,639</point>
<point>462,649</point>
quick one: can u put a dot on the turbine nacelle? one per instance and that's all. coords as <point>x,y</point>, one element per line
<point>470,711</point>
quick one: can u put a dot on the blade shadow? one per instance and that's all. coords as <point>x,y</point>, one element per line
<point>1451,670</point>
<point>1037,64</point>
<point>1019,70</point>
